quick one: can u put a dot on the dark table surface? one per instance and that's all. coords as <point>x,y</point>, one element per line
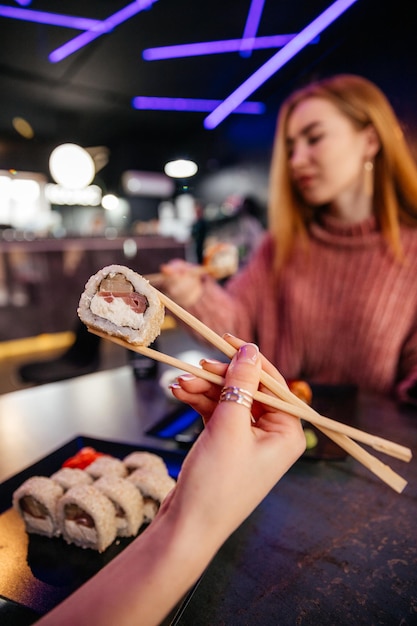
<point>330,545</point>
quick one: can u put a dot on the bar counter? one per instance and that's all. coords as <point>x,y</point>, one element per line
<point>331,544</point>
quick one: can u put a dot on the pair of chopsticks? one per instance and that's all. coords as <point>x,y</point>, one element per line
<point>283,399</point>
<point>158,278</point>
<point>213,270</point>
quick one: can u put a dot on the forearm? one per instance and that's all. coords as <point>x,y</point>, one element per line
<point>143,583</point>
<point>221,311</point>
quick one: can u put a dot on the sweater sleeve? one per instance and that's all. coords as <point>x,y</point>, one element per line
<point>406,389</point>
<point>234,308</point>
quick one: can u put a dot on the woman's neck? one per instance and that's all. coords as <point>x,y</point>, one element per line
<point>351,207</point>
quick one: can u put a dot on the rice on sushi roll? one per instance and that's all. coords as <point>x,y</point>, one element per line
<point>104,465</point>
<point>87,518</point>
<point>68,477</point>
<point>154,487</point>
<point>120,302</point>
<point>36,502</point>
<point>145,460</point>
<point>127,501</point>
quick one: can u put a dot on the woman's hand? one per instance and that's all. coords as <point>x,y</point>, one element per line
<point>236,461</point>
<point>182,282</point>
<point>229,470</point>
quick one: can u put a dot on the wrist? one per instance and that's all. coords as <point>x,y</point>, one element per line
<point>184,528</point>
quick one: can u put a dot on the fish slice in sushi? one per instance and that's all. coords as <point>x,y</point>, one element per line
<point>120,302</point>
<point>127,501</point>
<point>87,518</point>
<point>36,502</point>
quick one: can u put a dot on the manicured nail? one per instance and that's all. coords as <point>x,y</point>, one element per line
<point>209,361</point>
<point>248,353</point>
<point>186,377</point>
<point>174,385</point>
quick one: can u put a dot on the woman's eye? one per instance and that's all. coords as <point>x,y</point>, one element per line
<point>314,139</point>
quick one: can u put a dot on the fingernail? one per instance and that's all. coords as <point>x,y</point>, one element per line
<point>186,377</point>
<point>174,385</point>
<point>248,353</point>
<point>209,361</point>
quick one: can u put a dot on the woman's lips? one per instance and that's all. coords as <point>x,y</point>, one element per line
<point>304,182</point>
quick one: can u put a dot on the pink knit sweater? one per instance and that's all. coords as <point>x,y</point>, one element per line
<point>345,314</point>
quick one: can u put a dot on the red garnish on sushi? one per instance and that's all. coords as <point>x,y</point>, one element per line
<point>83,458</point>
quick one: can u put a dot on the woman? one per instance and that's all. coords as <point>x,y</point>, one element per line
<point>145,581</point>
<point>330,295</point>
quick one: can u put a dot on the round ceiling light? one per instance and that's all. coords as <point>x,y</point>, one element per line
<point>71,166</point>
<point>23,127</point>
<point>181,168</point>
<point>110,202</point>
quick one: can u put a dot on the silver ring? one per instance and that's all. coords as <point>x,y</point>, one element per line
<point>238,395</point>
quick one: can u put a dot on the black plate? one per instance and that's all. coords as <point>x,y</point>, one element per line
<point>36,572</point>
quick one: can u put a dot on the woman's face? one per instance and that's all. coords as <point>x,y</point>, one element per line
<point>326,153</point>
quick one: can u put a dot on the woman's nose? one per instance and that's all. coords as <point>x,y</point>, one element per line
<point>299,156</point>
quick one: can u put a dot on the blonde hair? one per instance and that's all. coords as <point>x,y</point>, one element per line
<point>395,171</point>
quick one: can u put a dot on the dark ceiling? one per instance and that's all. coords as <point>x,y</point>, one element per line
<point>86,98</point>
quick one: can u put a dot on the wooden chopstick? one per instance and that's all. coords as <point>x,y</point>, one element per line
<point>303,411</point>
<point>382,471</point>
<point>200,270</point>
<point>338,431</point>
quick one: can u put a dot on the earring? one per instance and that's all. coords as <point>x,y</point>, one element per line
<point>368,178</point>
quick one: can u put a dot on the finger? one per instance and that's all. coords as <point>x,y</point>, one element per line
<point>266,365</point>
<point>175,265</point>
<point>199,402</point>
<point>259,409</point>
<point>243,373</point>
<point>194,385</point>
<point>214,366</point>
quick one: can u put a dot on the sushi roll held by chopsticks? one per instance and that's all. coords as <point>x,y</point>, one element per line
<point>120,302</point>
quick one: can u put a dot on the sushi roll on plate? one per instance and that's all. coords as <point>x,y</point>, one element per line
<point>36,502</point>
<point>154,487</point>
<point>127,501</point>
<point>87,518</point>
<point>104,465</point>
<point>70,476</point>
<point>119,302</point>
<point>145,460</point>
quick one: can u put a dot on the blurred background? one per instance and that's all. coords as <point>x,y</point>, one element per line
<point>127,87</point>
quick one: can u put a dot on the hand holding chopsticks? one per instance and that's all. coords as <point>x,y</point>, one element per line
<point>283,399</point>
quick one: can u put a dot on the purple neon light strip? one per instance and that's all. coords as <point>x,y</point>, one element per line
<point>191,104</point>
<point>214,47</point>
<point>100,29</point>
<point>251,27</point>
<point>276,62</point>
<point>42,17</point>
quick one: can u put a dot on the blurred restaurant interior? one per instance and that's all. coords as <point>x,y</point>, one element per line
<point>143,90</point>
<point>101,104</point>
